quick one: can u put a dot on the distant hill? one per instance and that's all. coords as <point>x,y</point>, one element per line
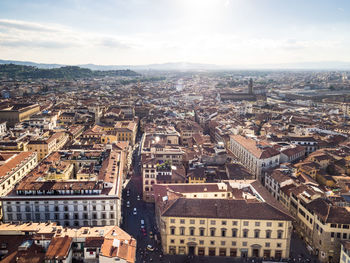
<point>186,66</point>
<point>67,72</point>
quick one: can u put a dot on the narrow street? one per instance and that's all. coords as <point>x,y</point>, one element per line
<point>144,211</point>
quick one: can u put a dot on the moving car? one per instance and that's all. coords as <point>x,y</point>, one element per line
<point>138,197</point>
<point>150,234</point>
<point>135,211</point>
<point>128,204</point>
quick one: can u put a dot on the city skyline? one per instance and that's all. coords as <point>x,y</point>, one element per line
<point>224,32</point>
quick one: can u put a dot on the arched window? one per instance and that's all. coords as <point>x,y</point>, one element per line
<point>223,232</point>
<point>245,233</point>
<point>234,232</point>
<point>212,231</point>
<point>256,233</point>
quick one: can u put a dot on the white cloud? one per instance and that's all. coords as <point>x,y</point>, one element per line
<point>15,33</point>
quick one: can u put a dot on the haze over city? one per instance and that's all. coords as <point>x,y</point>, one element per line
<point>239,33</point>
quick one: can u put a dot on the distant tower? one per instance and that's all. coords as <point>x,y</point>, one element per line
<point>250,86</point>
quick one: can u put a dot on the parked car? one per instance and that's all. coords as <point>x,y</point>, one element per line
<point>151,234</point>
<point>150,247</point>
<point>138,198</point>
<point>135,211</point>
<point>128,204</point>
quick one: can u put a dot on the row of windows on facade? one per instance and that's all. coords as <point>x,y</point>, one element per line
<point>223,222</point>
<point>234,232</point>
<point>57,208</point>
<point>224,243</point>
<point>223,252</point>
<point>49,216</point>
<point>85,223</point>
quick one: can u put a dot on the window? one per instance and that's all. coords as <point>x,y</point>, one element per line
<point>246,223</point>
<point>172,221</point>
<point>233,243</point>
<point>201,231</point>
<point>182,221</point>
<point>268,233</point>
<point>279,244</point>
<point>268,224</point>
<point>234,223</point>
<point>234,232</point>
<point>182,231</point>
<point>202,222</point>
<point>201,242</point>
<point>256,233</point>
<point>212,232</point>
<point>245,233</point>
<point>279,234</point>
<point>224,223</point>
<point>212,222</point>
<point>267,244</point>
<point>172,231</point>
<point>332,234</point>
<point>212,242</point>
<point>223,243</point>
<point>280,224</point>
<point>192,221</point>
<point>244,244</point>
<point>257,223</point>
<point>192,231</point>
<point>182,241</point>
<point>223,232</point>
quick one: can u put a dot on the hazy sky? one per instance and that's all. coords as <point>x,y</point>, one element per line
<point>225,32</point>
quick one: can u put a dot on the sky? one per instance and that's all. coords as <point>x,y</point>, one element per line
<point>137,32</point>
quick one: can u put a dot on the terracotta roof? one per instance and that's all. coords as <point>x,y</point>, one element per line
<point>125,248</point>
<point>224,208</point>
<point>293,151</point>
<point>328,212</point>
<point>253,147</point>
<point>59,248</point>
<point>11,163</point>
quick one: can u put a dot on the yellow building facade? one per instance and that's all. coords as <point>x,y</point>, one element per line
<point>226,228</point>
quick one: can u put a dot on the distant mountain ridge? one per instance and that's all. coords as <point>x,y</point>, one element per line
<point>186,66</point>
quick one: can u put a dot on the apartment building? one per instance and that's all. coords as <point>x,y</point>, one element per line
<point>13,167</point>
<point>48,242</point>
<point>154,173</point>
<point>275,180</point>
<point>126,131</point>
<point>86,202</point>
<point>160,148</point>
<point>309,143</point>
<point>255,156</point>
<point>17,113</point>
<point>187,129</point>
<point>323,226</point>
<point>46,146</point>
<point>345,252</point>
<point>233,219</point>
